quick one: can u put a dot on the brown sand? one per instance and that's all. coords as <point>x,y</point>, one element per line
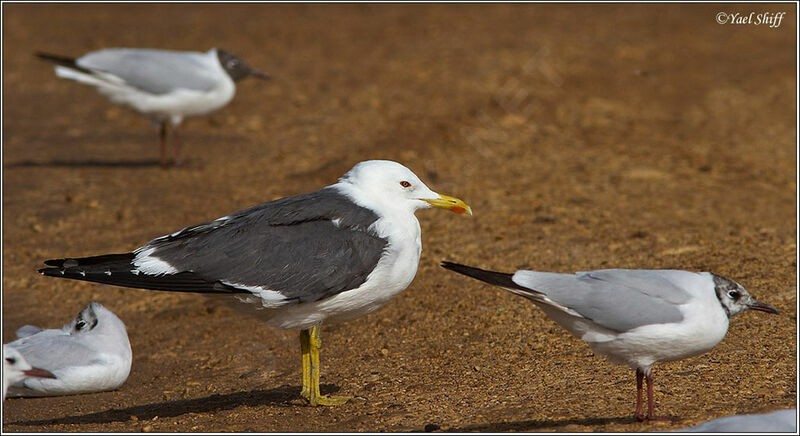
<point>633,136</point>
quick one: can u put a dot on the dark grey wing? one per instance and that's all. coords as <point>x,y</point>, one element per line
<point>153,71</point>
<point>306,247</point>
<point>302,248</point>
<point>619,300</point>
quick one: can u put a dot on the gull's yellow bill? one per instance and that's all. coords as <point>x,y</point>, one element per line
<point>446,202</point>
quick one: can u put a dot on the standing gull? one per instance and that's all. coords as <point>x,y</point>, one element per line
<point>90,354</point>
<point>326,256</point>
<point>16,368</point>
<point>635,317</point>
<point>163,85</point>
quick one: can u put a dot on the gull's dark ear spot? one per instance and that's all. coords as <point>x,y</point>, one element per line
<point>86,320</point>
<point>11,360</point>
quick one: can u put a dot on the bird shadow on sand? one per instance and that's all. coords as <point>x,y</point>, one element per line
<point>93,163</point>
<point>284,396</point>
<point>536,425</point>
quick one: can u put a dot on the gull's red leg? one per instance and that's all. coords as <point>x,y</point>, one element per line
<point>651,404</point>
<point>638,414</point>
<point>178,144</point>
<point>162,134</point>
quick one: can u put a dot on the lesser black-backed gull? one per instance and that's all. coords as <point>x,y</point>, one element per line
<point>326,256</point>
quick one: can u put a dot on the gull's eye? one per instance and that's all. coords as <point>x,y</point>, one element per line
<point>232,63</point>
<point>734,295</point>
<point>11,360</point>
<point>405,184</point>
<point>80,324</point>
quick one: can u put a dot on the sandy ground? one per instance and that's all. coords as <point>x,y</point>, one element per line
<point>583,137</point>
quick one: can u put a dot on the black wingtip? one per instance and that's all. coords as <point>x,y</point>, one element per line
<point>62,60</point>
<point>55,262</point>
<point>449,265</point>
<point>492,277</point>
<point>58,59</point>
<point>51,272</point>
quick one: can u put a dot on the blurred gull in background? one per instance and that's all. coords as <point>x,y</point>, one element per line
<point>164,85</point>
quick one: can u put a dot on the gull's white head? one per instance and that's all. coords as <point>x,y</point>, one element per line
<point>16,368</point>
<point>388,185</point>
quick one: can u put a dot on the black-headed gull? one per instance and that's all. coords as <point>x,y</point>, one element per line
<point>16,369</point>
<point>164,85</point>
<point>90,354</point>
<point>326,256</point>
<point>635,317</point>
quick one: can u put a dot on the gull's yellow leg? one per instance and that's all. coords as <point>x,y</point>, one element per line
<point>305,349</point>
<point>316,398</point>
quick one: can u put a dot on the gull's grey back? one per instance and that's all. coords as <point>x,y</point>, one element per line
<point>616,299</point>
<point>153,71</point>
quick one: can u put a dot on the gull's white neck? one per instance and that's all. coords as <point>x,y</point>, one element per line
<point>396,220</point>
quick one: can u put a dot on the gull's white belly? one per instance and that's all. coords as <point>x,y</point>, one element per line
<point>176,104</point>
<point>702,328</point>
<point>181,102</point>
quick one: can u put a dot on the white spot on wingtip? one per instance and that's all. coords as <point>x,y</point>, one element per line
<point>82,273</point>
<point>108,272</point>
<point>135,272</point>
